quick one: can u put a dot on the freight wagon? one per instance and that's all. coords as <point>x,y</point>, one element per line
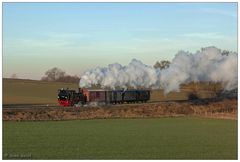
<point>85,96</point>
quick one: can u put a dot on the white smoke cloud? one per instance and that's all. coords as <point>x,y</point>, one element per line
<point>207,65</point>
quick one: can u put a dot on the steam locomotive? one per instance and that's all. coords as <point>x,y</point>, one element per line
<point>68,97</point>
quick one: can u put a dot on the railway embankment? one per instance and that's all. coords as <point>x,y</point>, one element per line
<point>224,109</point>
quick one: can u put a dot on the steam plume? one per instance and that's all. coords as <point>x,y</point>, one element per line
<point>207,65</point>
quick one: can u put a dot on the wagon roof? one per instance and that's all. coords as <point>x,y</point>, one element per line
<point>97,90</point>
<point>92,90</point>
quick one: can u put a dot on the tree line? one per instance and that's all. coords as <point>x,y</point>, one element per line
<point>58,75</point>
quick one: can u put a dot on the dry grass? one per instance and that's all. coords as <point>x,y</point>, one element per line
<point>223,109</point>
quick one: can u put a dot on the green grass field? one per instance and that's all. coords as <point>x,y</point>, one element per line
<point>163,138</point>
<point>20,91</point>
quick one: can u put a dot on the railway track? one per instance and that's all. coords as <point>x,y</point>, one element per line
<point>54,106</point>
<point>28,106</point>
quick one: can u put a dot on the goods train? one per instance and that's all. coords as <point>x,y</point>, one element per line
<point>68,97</point>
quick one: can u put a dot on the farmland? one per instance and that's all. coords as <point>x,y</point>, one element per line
<point>163,138</point>
<point>19,91</point>
<point>153,130</point>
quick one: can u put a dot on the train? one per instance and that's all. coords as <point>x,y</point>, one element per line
<point>83,96</point>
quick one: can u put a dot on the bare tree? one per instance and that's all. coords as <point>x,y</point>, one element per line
<point>69,79</point>
<point>162,64</point>
<point>53,74</point>
<point>14,76</point>
<point>58,75</point>
<point>225,52</point>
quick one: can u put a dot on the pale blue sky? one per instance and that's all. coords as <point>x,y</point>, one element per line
<point>79,36</point>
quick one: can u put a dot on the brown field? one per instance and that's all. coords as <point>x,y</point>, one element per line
<point>19,91</point>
